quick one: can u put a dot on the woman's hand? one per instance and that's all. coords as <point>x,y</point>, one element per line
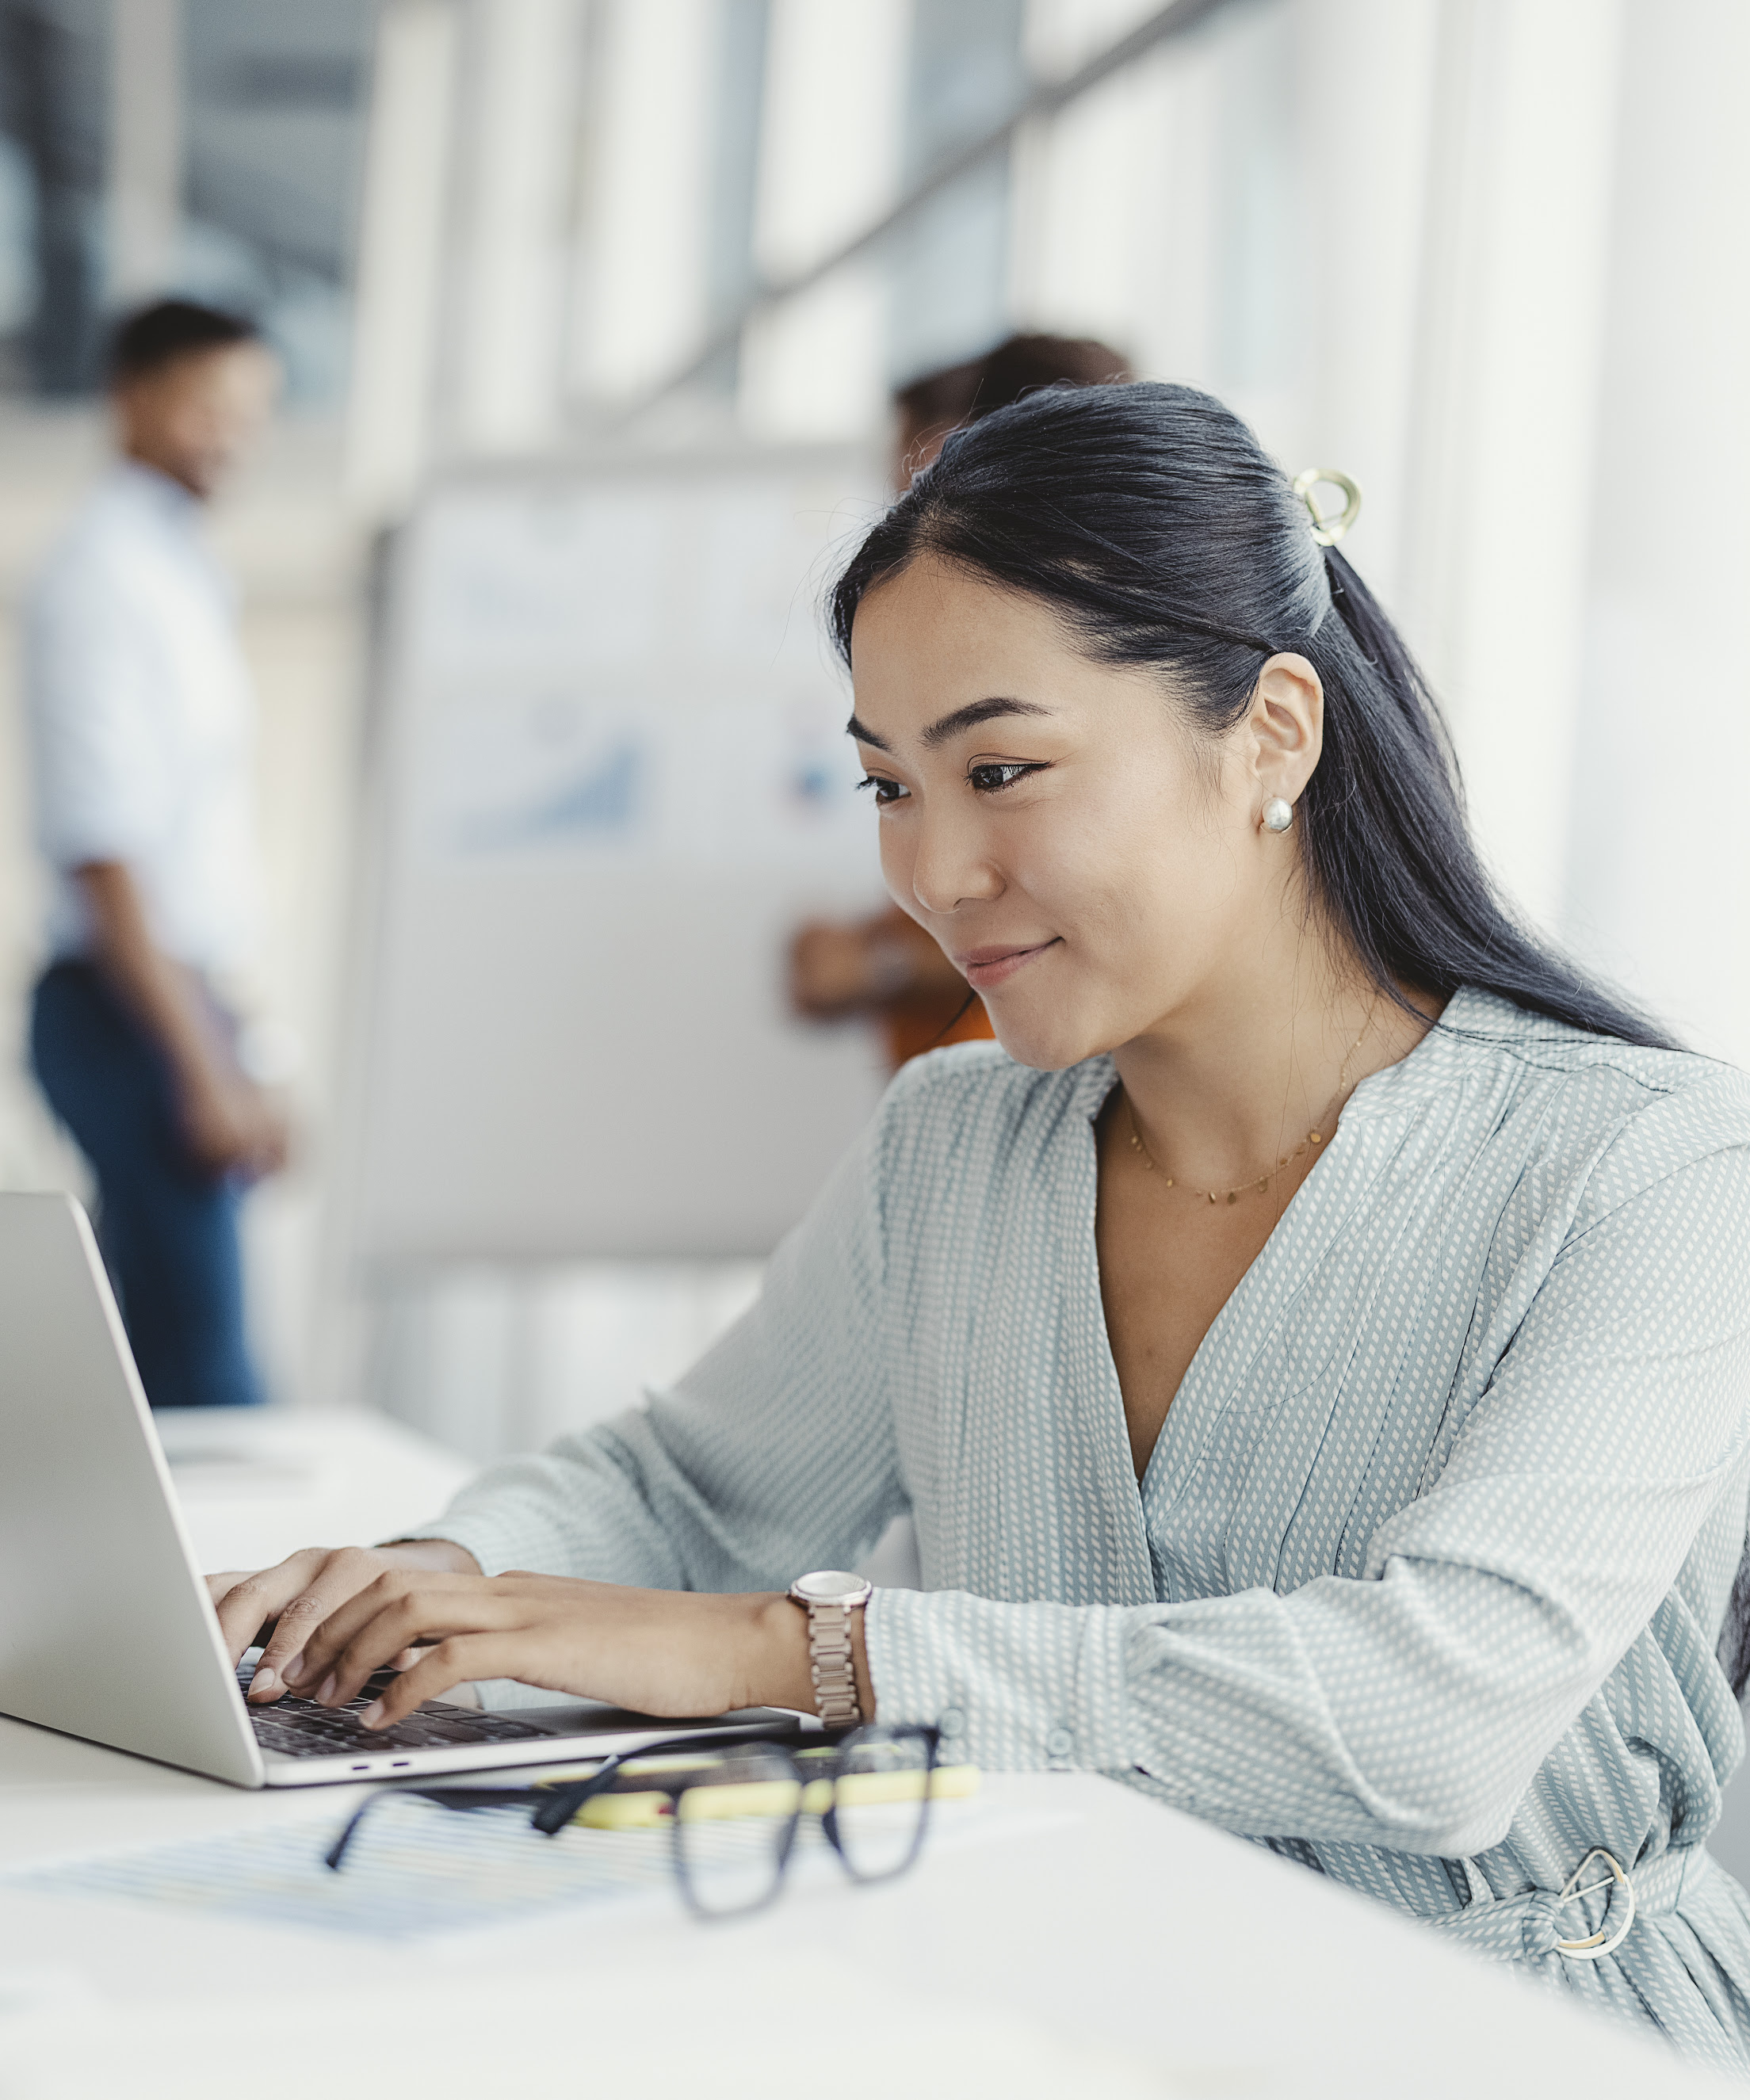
<point>294,1597</point>
<point>657,1651</point>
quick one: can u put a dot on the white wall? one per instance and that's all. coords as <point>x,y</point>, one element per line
<point>144,219</point>
<point>402,241</point>
<point>1515,256</point>
<point>1364,101</point>
<point>1659,863</point>
<point>828,167</point>
<point>507,308</point>
<point>641,307</point>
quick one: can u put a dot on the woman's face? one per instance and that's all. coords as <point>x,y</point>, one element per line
<point>1094,866</point>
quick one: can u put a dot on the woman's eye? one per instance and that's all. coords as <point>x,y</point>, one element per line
<point>992,777</point>
<point>884,791</point>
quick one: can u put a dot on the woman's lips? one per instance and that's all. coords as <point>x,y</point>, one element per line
<point>985,967</point>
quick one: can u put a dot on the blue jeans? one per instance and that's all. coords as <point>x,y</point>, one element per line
<point>167,1225</point>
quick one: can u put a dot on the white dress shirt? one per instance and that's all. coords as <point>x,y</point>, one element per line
<point>141,721</point>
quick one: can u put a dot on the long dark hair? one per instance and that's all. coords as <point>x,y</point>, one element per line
<point>1152,521</point>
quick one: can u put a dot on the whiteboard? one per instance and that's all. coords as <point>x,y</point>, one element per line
<point>609,775</point>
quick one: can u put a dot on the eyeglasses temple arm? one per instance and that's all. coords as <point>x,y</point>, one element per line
<point>335,1856</point>
<point>457,1798</point>
<point>552,1816</point>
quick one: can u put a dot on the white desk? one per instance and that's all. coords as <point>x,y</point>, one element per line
<point>1115,1951</point>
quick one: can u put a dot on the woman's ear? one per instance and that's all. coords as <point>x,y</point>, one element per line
<point>1283,732</point>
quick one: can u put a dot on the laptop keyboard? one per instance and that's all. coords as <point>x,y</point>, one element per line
<point>295,1727</point>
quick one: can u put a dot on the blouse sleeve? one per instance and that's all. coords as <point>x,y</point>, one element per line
<point>1410,1708</point>
<point>774,1455</point>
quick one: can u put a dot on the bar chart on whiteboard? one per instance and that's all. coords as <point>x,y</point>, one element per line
<point>610,776</point>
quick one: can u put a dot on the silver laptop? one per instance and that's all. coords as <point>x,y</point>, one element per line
<point>106,1628</point>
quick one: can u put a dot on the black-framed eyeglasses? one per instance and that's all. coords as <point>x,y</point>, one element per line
<point>733,1810</point>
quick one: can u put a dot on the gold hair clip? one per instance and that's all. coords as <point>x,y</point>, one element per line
<point>1328,526</point>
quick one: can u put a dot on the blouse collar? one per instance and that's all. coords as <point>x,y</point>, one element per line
<point>1474,1025</point>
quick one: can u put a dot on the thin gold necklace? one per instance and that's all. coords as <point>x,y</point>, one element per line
<point>1313,1137</point>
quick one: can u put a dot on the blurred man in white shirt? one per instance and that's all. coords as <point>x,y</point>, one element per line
<point>142,724</point>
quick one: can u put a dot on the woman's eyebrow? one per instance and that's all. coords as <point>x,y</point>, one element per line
<point>953,725</point>
<point>976,711</point>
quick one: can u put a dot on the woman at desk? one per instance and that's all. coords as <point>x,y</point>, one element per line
<point>1313,1345</point>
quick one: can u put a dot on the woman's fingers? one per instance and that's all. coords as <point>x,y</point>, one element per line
<point>282,1657</point>
<point>320,1581</point>
<point>327,1642</point>
<point>286,1604</point>
<point>399,1610</point>
<point>251,1603</point>
<point>456,1659</point>
<point>219,1586</point>
<point>656,1651</point>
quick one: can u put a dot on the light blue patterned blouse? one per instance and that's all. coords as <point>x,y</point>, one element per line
<point>1423,1584</point>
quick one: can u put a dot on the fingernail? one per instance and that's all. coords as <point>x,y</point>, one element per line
<point>371,1717</point>
<point>263,1681</point>
<point>294,1670</point>
<point>329,1684</point>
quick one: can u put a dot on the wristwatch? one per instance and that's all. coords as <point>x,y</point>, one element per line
<point>829,1596</point>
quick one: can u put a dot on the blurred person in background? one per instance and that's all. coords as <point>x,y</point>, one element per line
<point>887,965</point>
<point>141,723</point>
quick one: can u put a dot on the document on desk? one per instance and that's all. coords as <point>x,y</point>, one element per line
<point>415,1873</point>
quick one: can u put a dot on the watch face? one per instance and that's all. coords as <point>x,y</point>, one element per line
<point>827,1586</point>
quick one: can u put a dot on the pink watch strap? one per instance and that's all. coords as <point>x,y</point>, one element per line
<point>831,1663</point>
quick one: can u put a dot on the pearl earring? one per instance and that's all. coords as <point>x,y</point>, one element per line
<point>1278,815</point>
